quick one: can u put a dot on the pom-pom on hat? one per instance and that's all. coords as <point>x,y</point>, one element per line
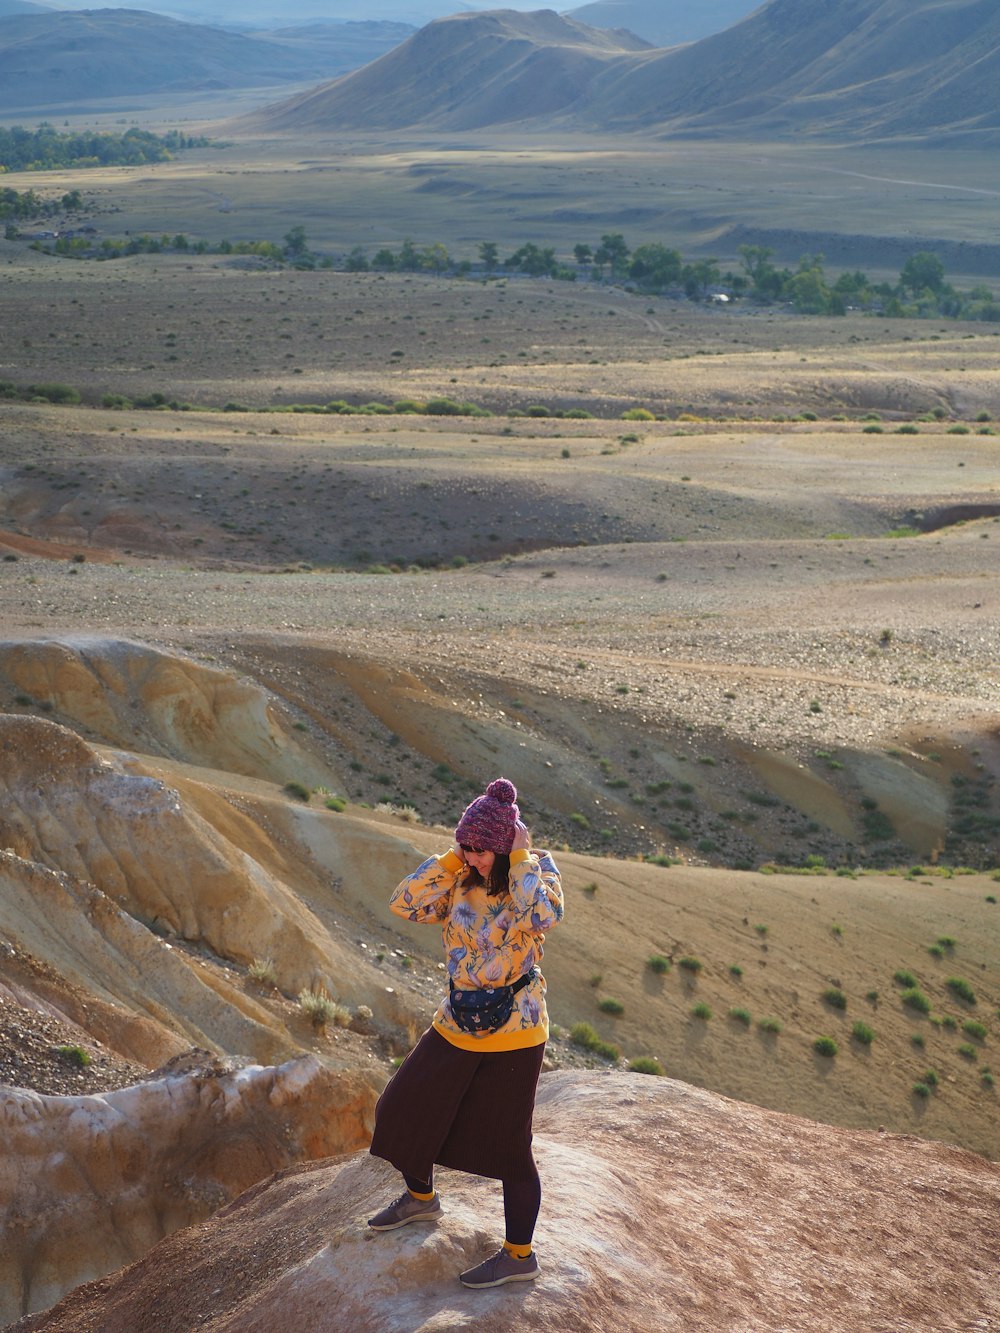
<point>488,823</point>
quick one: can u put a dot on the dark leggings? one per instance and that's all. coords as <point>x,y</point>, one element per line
<point>521,1202</point>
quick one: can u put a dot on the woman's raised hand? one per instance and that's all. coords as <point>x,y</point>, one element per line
<point>522,838</point>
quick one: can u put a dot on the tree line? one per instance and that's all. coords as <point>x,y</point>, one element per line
<point>46,148</point>
<point>921,290</point>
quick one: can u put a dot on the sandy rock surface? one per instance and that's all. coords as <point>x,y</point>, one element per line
<point>90,1183</point>
<point>666,1208</point>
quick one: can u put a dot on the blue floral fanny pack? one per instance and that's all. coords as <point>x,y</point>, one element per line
<point>486,1009</point>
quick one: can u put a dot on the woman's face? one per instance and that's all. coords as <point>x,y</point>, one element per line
<point>479,860</point>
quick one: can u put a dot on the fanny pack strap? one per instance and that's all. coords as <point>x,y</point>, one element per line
<point>519,984</point>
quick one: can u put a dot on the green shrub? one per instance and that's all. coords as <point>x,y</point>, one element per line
<point>322,1011</point>
<point>55,393</point>
<point>582,1034</point>
<point>740,1016</point>
<point>581,821</point>
<point>826,1046</point>
<point>835,998</point>
<point>905,978</point>
<point>771,1025</point>
<point>297,789</point>
<point>638,414</point>
<point>645,1064</point>
<point>590,889</point>
<point>76,1055</point>
<point>863,1033</point>
<point>657,963</point>
<point>336,803</point>
<point>262,971</point>
<point>914,998</point>
<point>962,989</point>
<point>975,1030</point>
<point>610,1006</point>
<point>967,1052</point>
<point>921,1090</point>
<point>701,1010</point>
<point>693,965</point>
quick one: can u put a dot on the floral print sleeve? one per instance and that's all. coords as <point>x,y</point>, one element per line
<point>425,895</point>
<point>536,888</point>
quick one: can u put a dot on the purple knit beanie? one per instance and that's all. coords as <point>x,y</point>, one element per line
<point>488,823</point>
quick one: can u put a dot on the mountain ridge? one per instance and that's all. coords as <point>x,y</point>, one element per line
<point>863,70</point>
<point>464,72</point>
<point>62,57</point>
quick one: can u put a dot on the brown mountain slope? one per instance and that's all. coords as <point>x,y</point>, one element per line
<point>461,73</point>
<point>860,68</point>
<point>865,69</point>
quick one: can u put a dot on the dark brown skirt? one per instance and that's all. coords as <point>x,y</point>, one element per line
<point>461,1109</point>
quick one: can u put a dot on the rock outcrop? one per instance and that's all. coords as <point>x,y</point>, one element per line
<point>90,1183</point>
<point>666,1210</point>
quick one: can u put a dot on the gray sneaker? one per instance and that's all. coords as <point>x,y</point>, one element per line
<point>500,1268</point>
<point>406,1209</point>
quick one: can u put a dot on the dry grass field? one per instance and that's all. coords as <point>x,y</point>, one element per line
<point>738,640</point>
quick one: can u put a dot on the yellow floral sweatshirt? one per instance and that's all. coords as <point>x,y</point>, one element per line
<point>489,941</point>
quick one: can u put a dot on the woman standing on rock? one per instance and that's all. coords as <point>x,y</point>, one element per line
<point>464,1096</point>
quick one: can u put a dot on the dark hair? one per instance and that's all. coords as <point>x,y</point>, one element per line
<point>499,880</point>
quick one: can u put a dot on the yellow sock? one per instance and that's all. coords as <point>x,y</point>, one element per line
<point>517,1251</point>
<point>424,1198</point>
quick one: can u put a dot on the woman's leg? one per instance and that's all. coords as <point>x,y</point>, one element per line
<point>515,1261</point>
<point>521,1202</point>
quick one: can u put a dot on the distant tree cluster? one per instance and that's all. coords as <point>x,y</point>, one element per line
<point>46,148</point>
<point>409,258</point>
<point>28,204</point>
<point>921,292</point>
